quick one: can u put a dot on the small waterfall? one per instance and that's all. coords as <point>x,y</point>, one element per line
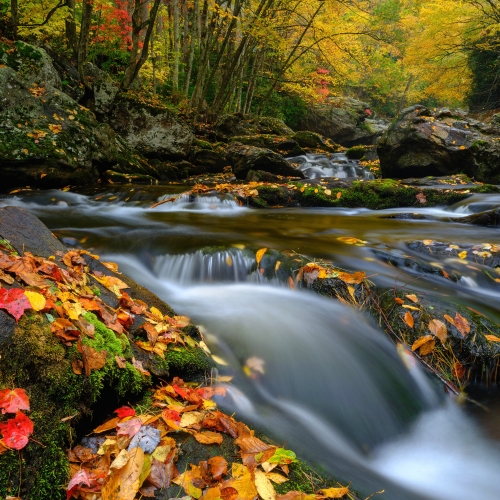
<point>209,266</point>
<point>334,165</point>
<point>202,203</point>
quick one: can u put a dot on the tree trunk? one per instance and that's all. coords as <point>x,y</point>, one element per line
<point>175,69</point>
<point>14,13</point>
<point>139,56</point>
<point>71,28</point>
<point>87,8</point>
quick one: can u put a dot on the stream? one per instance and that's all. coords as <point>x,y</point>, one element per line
<point>324,379</point>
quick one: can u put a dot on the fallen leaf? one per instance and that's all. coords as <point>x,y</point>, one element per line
<point>438,328</point>
<point>218,467</point>
<point>16,431</point>
<point>260,253</point>
<point>228,493</point>
<point>107,426</point>
<point>243,482</point>
<point>264,486</point>
<point>398,300</point>
<point>462,324</point>
<point>463,254</point>
<point>458,370</point>
<point>449,319</point>
<point>92,358</point>
<point>492,338</point>
<point>147,438</point>
<point>13,400</point>
<point>421,198</point>
<point>412,297</point>
<point>37,300</point>
<point>413,308</point>
<point>426,344</point>
<point>129,428</point>
<point>208,437</point>
<point>338,195</point>
<point>125,411</point>
<point>14,301</point>
<point>333,492</point>
<point>409,319</point>
<point>276,478</point>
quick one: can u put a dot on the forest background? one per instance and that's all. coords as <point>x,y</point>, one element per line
<point>275,57</point>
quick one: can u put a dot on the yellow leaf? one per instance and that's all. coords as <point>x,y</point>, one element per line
<point>278,478</point>
<point>125,483</point>
<point>339,195</point>
<point>413,308</point>
<point>277,266</point>
<point>438,328</point>
<point>264,486</point>
<point>316,191</point>
<point>121,460</point>
<point>334,492</point>
<point>463,254</point>
<point>428,242</point>
<point>493,338</point>
<point>191,418</point>
<point>260,253</point>
<point>449,319</point>
<point>243,482</point>
<point>156,312</point>
<point>409,319</point>
<point>37,300</point>
<point>413,298</point>
<point>229,261</point>
<point>328,192</point>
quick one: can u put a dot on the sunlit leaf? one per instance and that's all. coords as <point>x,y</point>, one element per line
<point>438,328</point>
<point>260,253</point>
<point>409,319</point>
<point>426,344</point>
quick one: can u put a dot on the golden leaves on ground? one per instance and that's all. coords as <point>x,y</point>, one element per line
<point>438,328</point>
<point>425,344</point>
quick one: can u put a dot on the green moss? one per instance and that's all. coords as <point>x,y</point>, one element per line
<point>190,363</point>
<point>356,152</point>
<point>271,196</point>
<point>123,380</point>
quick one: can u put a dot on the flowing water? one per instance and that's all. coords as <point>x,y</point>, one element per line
<point>316,166</point>
<point>324,378</point>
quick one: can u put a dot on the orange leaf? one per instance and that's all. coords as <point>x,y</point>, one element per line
<point>208,437</point>
<point>425,344</point>
<point>462,324</point>
<point>260,253</point>
<point>493,338</point>
<point>409,319</point>
<point>399,301</point>
<point>458,370</point>
<point>413,298</point>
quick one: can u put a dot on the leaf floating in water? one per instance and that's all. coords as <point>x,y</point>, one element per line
<point>256,364</point>
<point>438,328</point>
<point>260,253</point>
<point>409,319</point>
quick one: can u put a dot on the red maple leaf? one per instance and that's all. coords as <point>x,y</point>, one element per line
<point>12,401</point>
<point>125,411</point>
<point>83,478</point>
<point>15,301</point>
<point>16,431</point>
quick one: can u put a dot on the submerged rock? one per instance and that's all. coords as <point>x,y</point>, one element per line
<point>422,142</point>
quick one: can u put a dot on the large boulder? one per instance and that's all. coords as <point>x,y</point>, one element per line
<point>32,64</point>
<point>155,132</point>
<point>284,145</point>
<point>47,139</point>
<point>245,158</point>
<point>238,124</point>
<point>422,142</point>
<point>342,120</point>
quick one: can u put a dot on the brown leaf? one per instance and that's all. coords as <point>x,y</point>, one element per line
<point>421,198</point>
<point>86,327</point>
<point>151,332</point>
<point>458,370</point>
<point>161,473</point>
<point>121,362</point>
<point>107,426</point>
<point>228,493</point>
<point>92,358</point>
<point>409,319</point>
<point>425,344</point>
<point>356,278</point>
<point>438,328</point>
<point>77,366</point>
<point>251,444</point>
<point>462,324</point>
<point>492,338</point>
<point>7,278</point>
<point>138,365</point>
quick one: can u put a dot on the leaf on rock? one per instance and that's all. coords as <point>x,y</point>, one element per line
<point>125,483</point>
<point>264,486</point>
<point>492,338</point>
<point>138,366</point>
<point>409,319</point>
<point>426,344</point>
<point>92,358</point>
<point>16,431</point>
<point>458,370</point>
<point>334,492</point>
<point>13,400</point>
<point>398,300</point>
<point>129,428</point>
<point>462,324</point>
<point>147,438</point>
<point>125,411</point>
<point>121,460</point>
<point>276,478</point>
<point>80,478</point>
<point>218,467</point>
<point>438,328</point>
<point>208,437</point>
<point>463,254</point>
<point>14,301</point>
<point>355,278</point>
<point>259,254</point>
<point>412,297</point>
<point>283,457</point>
<point>449,319</point>
<point>228,493</point>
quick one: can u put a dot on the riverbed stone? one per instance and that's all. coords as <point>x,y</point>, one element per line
<point>421,142</point>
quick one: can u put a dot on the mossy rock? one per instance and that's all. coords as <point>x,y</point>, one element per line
<point>356,152</point>
<point>119,178</point>
<point>313,140</point>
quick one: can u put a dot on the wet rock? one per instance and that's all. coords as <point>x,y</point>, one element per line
<point>261,176</point>
<point>105,89</point>
<point>486,218</point>
<point>118,178</point>
<point>209,161</point>
<point>246,158</point>
<point>421,142</point>
<point>154,132</point>
<point>48,140</point>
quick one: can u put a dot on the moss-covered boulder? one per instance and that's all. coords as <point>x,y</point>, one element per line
<point>422,142</point>
<point>68,379</point>
<point>238,124</point>
<point>155,132</point>
<point>313,140</point>
<point>48,140</point>
<point>279,144</point>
